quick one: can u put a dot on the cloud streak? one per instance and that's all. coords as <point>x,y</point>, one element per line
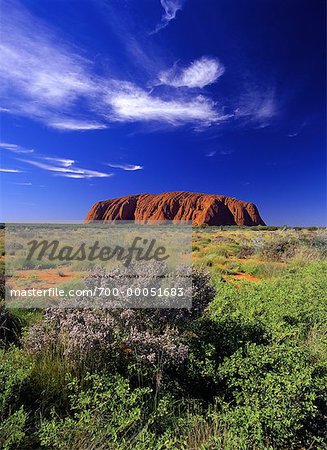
<point>74,125</point>
<point>171,7</point>
<point>257,107</point>
<point>131,167</point>
<point>10,170</point>
<point>225,152</point>
<point>60,161</point>
<point>42,75</point>
<point>211,154</point>
<point>297,131</point>
<point>39,75</point>
<point>65,168</point>
<point>23,184</point>
<point>132,104</point>
<point>202,72</point>
<point>15,148</point>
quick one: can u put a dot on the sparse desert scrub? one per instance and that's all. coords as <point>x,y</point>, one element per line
<point>263,271</point>
<point>290,246</point>
<point>279,250</point>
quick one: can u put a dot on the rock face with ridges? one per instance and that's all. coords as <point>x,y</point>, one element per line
<point>199,208</point>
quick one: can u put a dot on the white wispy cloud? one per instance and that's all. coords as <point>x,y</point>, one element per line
<point>45,78</point>
<point>200,73</point>
<point>170,10</point>
<point>122,166</point>
<point>74,125</point>
<point>257,107</point>
<point>2,169</point>
<point>55,73</point>
<point>42,77</point>
<point>23,184</point>
<point>15,148</point>
<point>130,103</point>
<point>61,161</point>
<point>79,175</point>
<point>211,153</point>
<point>297,131</point>
<point>225,152</point>
<point>135,104</point>
<point>65,168</point>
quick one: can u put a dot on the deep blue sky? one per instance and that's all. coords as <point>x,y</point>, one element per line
<point>216,96</point>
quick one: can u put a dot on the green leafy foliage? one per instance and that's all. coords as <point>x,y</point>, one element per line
<point>15,368</point>
<point>272,391</point>
<point>106,411</point>
<point>245,368</point>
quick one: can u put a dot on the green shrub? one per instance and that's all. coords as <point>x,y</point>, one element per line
<point>15,369</point>
<point>221,260</point>
<point>12,429</point>
<point>10,327</point>
<point>262,353</point>
<point>289,305</point>
<point>106,413</point>
<point>273,392</point>
<point>244,368</point>
<point>213,341</point>
<point>2,271</point>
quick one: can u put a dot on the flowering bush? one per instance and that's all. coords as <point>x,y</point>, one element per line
<point>165,348</point>
<point>149,335</point>
<point>203,293</point>
<point>77,334</point>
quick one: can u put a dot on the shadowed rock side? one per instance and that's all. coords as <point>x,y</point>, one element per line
<point>199,208</point>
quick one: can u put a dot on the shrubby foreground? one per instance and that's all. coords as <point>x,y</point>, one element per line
<point>246,368</point>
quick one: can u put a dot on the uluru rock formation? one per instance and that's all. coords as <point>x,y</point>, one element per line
<point>199,208</point>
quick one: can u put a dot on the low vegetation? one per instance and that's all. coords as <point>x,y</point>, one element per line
<point>245,368</point>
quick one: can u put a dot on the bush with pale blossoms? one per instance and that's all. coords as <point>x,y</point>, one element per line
<point>76,334</point>
<point>165,348</point>
<point>148,336</point>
